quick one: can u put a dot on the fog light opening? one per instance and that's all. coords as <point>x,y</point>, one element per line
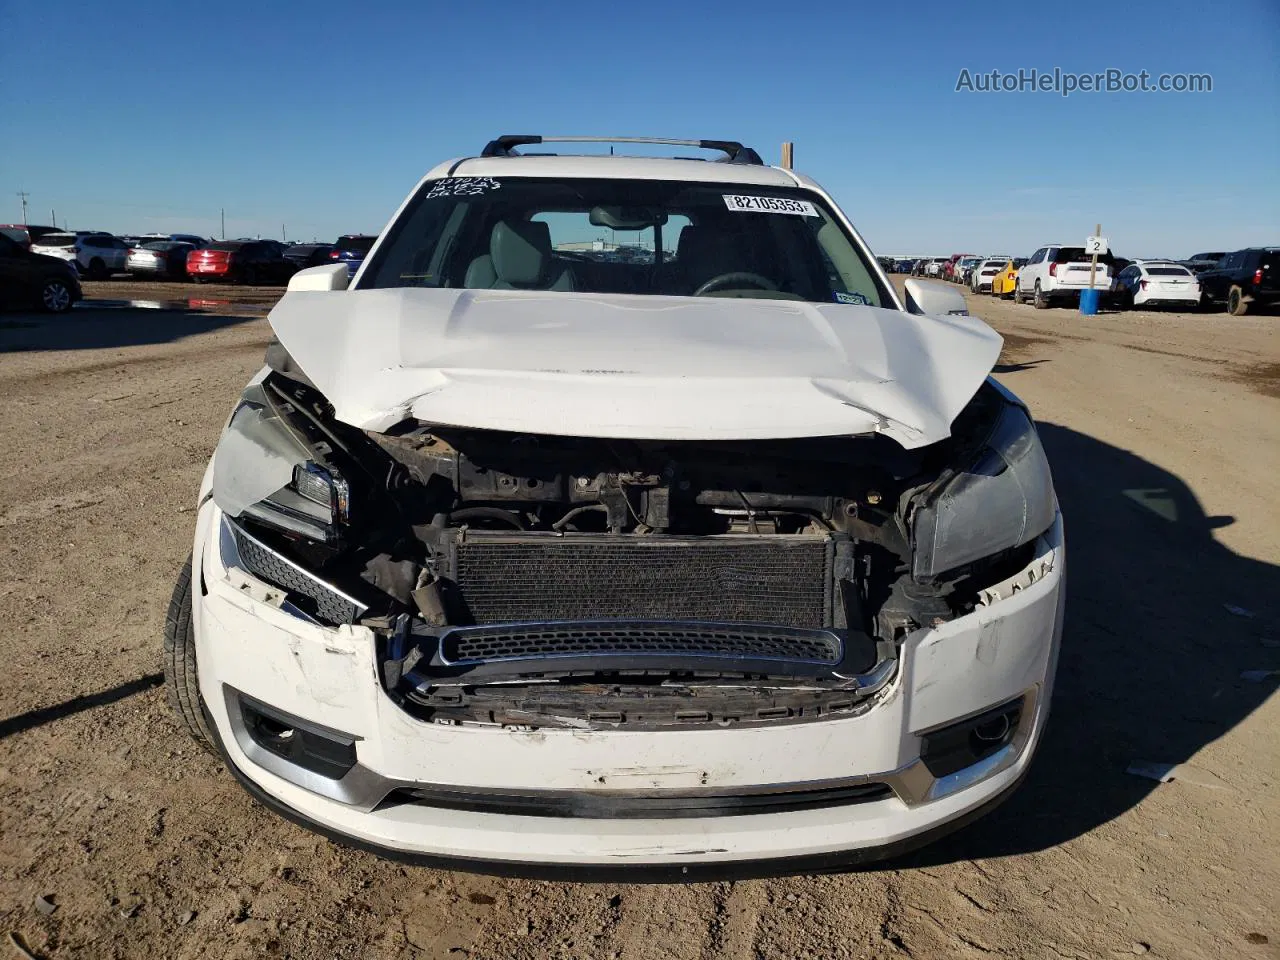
<point>274,729</point>
<point>995,730</point>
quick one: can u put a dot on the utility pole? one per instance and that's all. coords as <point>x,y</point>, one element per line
<point>22,195</point>
<point>284,237</point>
<point>53,217</point>
<point>788,154</point>
<point>224,223</point>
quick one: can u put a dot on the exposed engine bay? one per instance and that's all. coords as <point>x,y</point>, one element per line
<point>536,580</point>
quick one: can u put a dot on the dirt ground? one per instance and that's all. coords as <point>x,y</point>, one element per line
<point>1164,432</point>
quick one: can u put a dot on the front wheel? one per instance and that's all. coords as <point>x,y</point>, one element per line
<point>181,678</point>
<point>55,296</point>
<point>1237,305</point>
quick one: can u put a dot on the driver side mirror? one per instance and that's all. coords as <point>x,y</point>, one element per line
<point>934,299</point>
<point>326,277</point>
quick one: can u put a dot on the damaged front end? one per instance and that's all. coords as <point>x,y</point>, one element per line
<point>538,581</point>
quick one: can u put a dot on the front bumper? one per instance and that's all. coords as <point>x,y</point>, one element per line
<point>247,644</point>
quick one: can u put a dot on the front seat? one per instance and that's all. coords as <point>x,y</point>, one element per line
<point>519,258</point>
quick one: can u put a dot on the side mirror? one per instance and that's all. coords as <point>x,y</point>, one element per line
<point>932,299</point>
<point>326,277</point>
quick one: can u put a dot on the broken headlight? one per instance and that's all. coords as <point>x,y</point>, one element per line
<point>1002,500</point>
<point>264,469</point>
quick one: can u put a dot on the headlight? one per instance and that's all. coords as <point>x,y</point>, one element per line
<point>1004,499</point>
<point>265,470</point>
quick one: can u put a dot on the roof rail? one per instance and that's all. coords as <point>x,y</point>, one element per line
<point>734,152</point>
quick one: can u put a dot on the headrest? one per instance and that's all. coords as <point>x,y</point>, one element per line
<point>693,241</point>
<point>520,250</point>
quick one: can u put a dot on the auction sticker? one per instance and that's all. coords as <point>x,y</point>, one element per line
<point>745,204</point>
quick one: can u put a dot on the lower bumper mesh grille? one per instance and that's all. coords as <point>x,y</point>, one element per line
<point>507,578</point>
<point>619,638</point>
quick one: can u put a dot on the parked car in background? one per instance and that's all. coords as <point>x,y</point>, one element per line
<point>1157,283</point>
<point>96,255</point>
<point>303,255</point>
<point>351,249</point>
<point>25,233</point>
<point>240,261</point>
<point>160,259</point>
<point>1004,282</point>
<point>1055,274</point>
<point>1200,262</point>
<point>935,267</point>
<point>1244,280</point>
<point>35,280</point>
<point>981,275</point>
<point>963,269</point>
<point>191,238</point>
<point>904,266</point>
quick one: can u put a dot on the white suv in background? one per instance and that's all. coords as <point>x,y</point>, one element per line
<point>95,255</point>
<point>1056,273</point>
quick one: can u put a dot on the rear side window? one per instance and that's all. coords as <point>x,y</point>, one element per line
<point>1077,255</point>
<point>1168,272</point>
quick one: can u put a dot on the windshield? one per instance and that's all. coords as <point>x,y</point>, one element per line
<point>654,237</point>
<point>56,240</point>
<point>1168,271</point>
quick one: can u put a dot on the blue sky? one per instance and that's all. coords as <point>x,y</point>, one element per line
<point>320,116</point>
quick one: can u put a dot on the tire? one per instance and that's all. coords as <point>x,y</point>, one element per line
<point>55,296</point>
<point>181,678</point>
<point>98,270</point>
<point>1017,295</point>
<point>1237,305</point>
<point>250,276</point>
<point>1038,299</point>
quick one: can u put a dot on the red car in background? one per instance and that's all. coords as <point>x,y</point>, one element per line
<point>240,261</point>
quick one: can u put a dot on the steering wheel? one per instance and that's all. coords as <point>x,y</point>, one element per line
<point>728,279</point>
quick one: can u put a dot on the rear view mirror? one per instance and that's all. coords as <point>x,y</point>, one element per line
<point>934,299</point>
<point>326,277</point>
<point>627,218</point>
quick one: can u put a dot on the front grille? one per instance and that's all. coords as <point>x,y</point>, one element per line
<point>309,593</point>
<point>602,806</point>
<point>775,579</point>
<point>620,638</point>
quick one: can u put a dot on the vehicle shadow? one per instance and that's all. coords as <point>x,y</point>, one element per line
<point>92,328</point>
<point>1151,655</point>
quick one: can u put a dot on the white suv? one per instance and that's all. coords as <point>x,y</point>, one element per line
<point>1056,273</point>
<point>653,555</point>
<point>96,255</point>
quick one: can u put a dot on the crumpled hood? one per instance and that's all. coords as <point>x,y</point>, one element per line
<point>637,367</point>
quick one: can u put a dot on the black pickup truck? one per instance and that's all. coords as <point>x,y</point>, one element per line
<point>1245,280</point>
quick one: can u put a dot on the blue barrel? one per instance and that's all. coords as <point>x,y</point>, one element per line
<point>1089,302</point>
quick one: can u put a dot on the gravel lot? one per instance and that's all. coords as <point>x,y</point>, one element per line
<point>1164,431</point>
